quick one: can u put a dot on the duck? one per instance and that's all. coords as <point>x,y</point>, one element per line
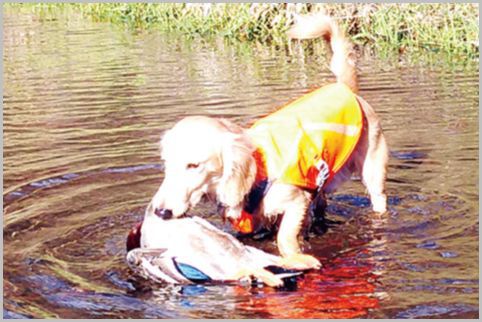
<point>190,250</point>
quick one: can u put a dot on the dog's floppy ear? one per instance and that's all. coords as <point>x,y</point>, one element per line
<point>166,140</point>
<point>239,168</point>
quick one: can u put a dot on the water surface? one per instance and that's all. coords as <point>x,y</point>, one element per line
<point>84,106</point>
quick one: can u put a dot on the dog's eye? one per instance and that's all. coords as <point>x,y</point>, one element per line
<point>192,165</point>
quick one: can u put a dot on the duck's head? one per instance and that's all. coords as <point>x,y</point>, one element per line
<point>134,237</point>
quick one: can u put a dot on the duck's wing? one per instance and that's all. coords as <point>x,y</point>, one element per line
<point>155,264</point>
<point>249,256</point>
<point>213,232</point>
<point>161,266</point>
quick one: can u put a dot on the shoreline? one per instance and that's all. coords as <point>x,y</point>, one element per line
<point>385,29</point>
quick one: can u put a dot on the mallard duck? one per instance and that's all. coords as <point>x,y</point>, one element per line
<point>191,250</point>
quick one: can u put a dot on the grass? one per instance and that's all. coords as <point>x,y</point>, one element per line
<point>450,29</point>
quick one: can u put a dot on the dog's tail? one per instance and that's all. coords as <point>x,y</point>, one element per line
<point>343,63</point>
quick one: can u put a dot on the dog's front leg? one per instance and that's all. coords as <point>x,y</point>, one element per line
<point>288,243</point>
<point>292,202</point>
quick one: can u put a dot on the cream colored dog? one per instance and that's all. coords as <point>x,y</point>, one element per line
<point>213,157</point>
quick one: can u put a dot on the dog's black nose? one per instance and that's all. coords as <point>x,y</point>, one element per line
<point>163,213</point>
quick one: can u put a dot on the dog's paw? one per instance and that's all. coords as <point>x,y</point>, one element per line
<point>300,262</point>
<point>260,274</point>
<point>379,204</point>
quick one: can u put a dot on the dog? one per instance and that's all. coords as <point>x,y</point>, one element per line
<point>270,173</point>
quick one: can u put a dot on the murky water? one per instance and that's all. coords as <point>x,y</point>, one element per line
<point>84,106</point>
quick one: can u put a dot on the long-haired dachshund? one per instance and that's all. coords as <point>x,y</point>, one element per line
<point>270,173</point>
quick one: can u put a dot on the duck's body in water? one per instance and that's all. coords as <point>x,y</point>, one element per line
<point>191,250</point>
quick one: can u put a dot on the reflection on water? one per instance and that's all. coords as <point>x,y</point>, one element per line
<point>84,105</point>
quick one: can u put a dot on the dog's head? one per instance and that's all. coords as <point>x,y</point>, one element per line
<point>204,157</point>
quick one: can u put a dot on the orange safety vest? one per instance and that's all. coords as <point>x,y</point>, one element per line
<point>306,142</point>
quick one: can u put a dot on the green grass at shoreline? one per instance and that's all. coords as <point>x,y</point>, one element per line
<point>450,29</point>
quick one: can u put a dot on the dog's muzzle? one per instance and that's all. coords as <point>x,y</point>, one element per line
<point>165,214</point>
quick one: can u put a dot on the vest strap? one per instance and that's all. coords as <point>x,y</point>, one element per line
<point>244,224</point>
<point>256,195</point>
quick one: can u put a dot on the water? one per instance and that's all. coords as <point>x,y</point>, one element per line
<point>84,106</point>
